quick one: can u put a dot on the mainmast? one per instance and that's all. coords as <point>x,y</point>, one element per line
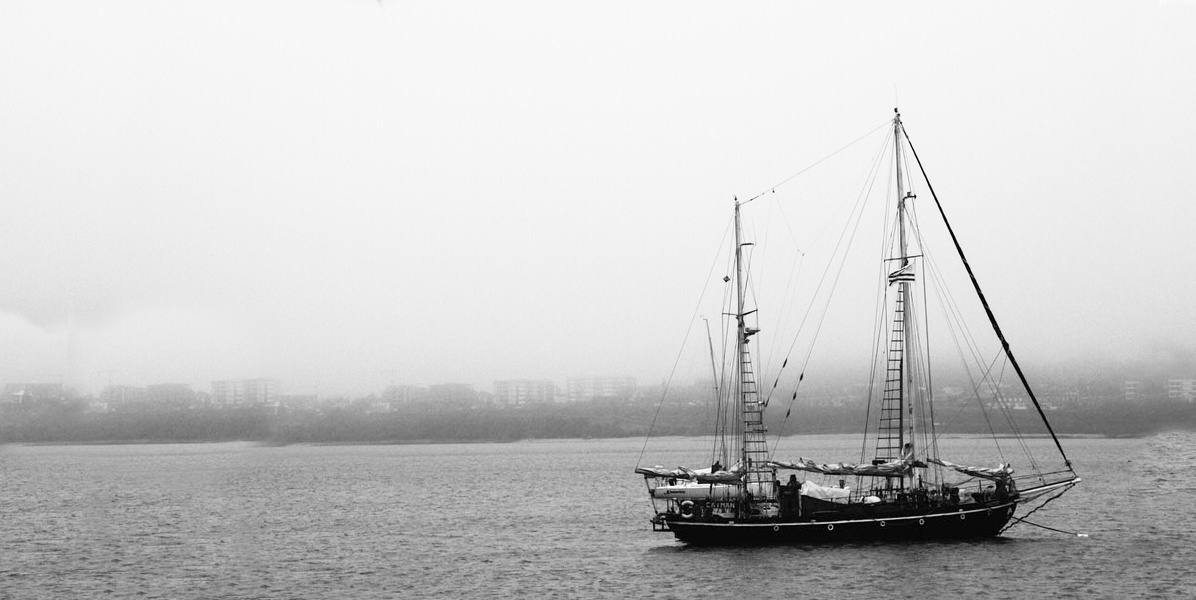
<point>903,286</point>
<point>907,436</point>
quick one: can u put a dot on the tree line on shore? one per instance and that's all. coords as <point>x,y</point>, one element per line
<point>66,423</point>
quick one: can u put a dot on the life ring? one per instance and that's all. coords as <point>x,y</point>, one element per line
<point>687,509</point>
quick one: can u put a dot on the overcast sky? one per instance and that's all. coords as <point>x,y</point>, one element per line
<point>340,194</point>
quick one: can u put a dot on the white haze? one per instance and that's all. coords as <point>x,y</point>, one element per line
<point>345,194</point>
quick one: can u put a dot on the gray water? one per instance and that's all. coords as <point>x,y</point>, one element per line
<point>543,519</point>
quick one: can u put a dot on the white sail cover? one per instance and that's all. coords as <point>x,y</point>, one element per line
<point>823,492</point>
<point>732,475</point>
<point>1001,471</point>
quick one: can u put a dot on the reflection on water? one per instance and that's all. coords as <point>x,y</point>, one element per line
<point>550,518</point>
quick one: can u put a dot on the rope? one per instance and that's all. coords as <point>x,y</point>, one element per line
<point>1075,533</point>
<point>992,319</point>
<point>676,362</point>
<point>1036,509</point>
<point>850,229</point>
<point>820,161</point>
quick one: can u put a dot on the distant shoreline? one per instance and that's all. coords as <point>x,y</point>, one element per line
<point>431,423</point>
<point>435,442</point>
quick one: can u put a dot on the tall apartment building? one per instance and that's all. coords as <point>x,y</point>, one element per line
<point>245,392</point>
<point>452,393</point>
<point>1133,390</point>
<point>178,395</point>
<point>1181,389</point>
<point>581,389</point>
<point>517,392</point>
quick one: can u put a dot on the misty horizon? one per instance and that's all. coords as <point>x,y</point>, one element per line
<point>339,196</point>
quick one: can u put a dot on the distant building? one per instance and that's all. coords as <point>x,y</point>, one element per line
<point>1010,403</point>
<point>1133,390</point>
<point>245,392</point>
<point>517,392</point>
<point>452,393</point>
<point>582,389</point>
<point>115,397</point>
<point>30,393</point>
<point>174,395</point>
<point>1181,389</point>
<point>372,404</point>
<point>299,401</point>
<point>404,394</point>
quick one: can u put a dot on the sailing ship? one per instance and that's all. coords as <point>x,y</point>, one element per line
<point>901,487</point>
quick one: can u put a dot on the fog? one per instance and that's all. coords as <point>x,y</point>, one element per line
<point>342,195</point>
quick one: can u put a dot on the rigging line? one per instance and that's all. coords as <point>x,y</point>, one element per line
<point>714,403</point>
<point>952,310</point>
<point>994,390</point>
<point>1004,407</point>
<point>1064,531</point>
<point>858,213</point>
<point>1036,509</point>
<point>753,295</point>
<point>688,330</point>
<point>952,313</point>
<point>820,161</point>
<point>787,310</point>
<point>870,178</point>
<point>720,431</point>
<point>1017,434</point>
<point>714,379</point>
<point>927,371</point>
<point>992,319</point>
<point>920,367</point>
<point>869,181</point>
<point>934,443</point>
<point>880,323</point>
<point>786,313</point>
<point>725,363</point>
<point>1007,410</point>
<point>953,318</point>
<point>933,273</point>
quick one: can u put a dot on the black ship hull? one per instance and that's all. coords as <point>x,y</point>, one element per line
<point>958,523</point>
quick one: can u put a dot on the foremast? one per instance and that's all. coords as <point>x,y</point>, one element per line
<point>754,453</point>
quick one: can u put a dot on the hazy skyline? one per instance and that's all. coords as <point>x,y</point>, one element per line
<point>340,195</point>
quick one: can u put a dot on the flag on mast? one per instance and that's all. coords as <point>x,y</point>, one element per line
<point>905,273</point>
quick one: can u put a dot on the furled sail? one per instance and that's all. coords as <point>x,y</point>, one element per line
<point>664,472</point>
<point>732,475</point>
<point>888,469</point>
<point>1001,471</point>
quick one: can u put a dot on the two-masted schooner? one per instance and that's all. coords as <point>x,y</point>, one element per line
<point>901,488</point>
